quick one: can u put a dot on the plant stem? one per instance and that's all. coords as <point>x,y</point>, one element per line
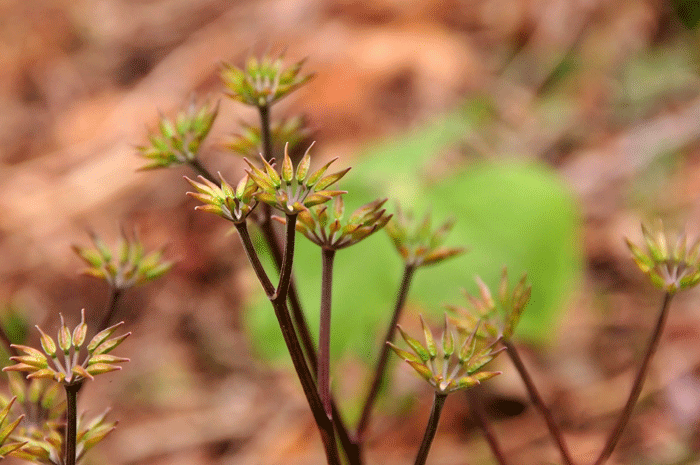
<point>110,308</point>
<point>287,260</point>
<point>477,407</point>
<point>265,133</point>
<point>202,171</point>
<point>71,422</point>
<point>324,338</point>
<point>408,272</point>
<point>260,272</point>
<point>431,429</point>
<point>537,401</point>
<point>626,413</point>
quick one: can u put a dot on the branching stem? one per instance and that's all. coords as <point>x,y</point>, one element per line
<point>71,422</point>
<point>260,272</point>
<point>476,405</point>
<point>324,338</point>
<point>626,413</point>
<point>431,428</point>
<point>201,170</point>
<point>537,400</point>
<point>111,306</point>
<point>408,272</point>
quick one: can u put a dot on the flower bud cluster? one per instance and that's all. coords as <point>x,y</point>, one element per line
<point>248,142</point>
<point>262,82</point>
<point>417,243</point>
<point>61,363</point>
<point>452,366</point>
<point>232,204</point>
<point>177,142</point>
<point>499,317</point>
<point>327,228</point>
<point>669,261</point>
<point>293,191</point>
<point>129,266</point>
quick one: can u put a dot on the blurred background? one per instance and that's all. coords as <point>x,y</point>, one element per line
<point>548,129</point>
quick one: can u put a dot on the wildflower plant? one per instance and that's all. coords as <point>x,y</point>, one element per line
<point>7,444</point>
<point>472,335</point>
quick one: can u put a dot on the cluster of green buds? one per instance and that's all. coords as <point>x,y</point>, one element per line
<point>333,231</point>
<point>9,445</point>
<point>177,141</point>
<point>263,81</point>
<point>293,191</point>
<point>127,267</point>
<point>40,403</point>
<point>65,366</point>
<point>454,365</point>
<point>417,243</point>
<point>499,317</point>
<point>47,446</point>
<point>669,261</point>
<point>248,142</point>
<point>232,204</point>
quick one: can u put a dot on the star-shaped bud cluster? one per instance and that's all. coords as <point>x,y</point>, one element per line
<point>456,364</point>
<point>499,317</point>
<point>61,362</point>
<point>262,81</point>
<point>417,243</point>
<point>177,141</point>
<point>669,261</point>
<point>129,266</point>
<point>293,191</point>
<point>248,142</point>
<point>328,228</point>
<point>232,204</point>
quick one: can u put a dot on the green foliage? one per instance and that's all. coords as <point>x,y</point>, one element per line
<point>514,214</point>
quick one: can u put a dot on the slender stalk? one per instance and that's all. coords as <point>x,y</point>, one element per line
<point>537,401</point>
<point>477,407</point>
<point>626,413</point>
<point>431,429</point>
<point>71,422</point>
<point>201,170</point>
<point>324,338</point>
<point>110,308</point>
<point>408,272</point>
<point>286,269</point>
<point>267,285</point>
<point>265,133</point>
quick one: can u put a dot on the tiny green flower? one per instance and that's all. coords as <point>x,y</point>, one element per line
<point>417,243</point>
<point>232,204</point>
<point>127,267</point>
<point>262,82</point>
<point>177,141</point>
<point>453,365</point>
<point>499,317</point>
<point>65,367</point>
<point>669,261</point>
<point>293,191</point>
<point>248,142</point>
<point>332,231</point>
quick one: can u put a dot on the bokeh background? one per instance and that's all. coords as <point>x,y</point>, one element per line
<point>547,128</point>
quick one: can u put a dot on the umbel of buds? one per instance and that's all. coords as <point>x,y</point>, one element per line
<point>669,261</point>
<point>261,82</point>
<point>292,191</point>
<point>331,230</point>
<point>499,317</point>
<point>61,362</point>
<point>417,243</point>
<point>232,204</point>
<point>177,142</point>
<point>47,446</point>
<point>454,365</point>
<point>129,266</point>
